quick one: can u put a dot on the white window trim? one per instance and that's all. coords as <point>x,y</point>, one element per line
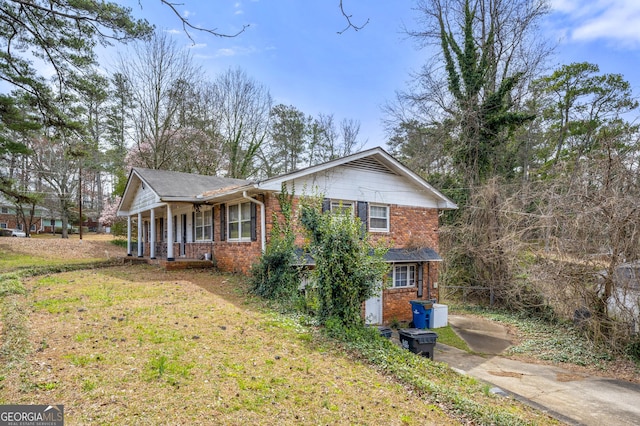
<point>403,265</point>
<point>203,215</point>
<point>240,221</point>
<point>344,204</point>
<point>374,229</point>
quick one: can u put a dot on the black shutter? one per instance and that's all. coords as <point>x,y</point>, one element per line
<point>326,205</point>
<point>223,222</point>
<point>363,214</point>
<point>213,223</point>
<point>254,227</point>
<point>193,226</point>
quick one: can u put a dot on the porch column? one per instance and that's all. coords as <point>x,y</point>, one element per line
<point>152,240</point>
<point>170,256</point>
<point>129,235</point>
<point>140,242</point>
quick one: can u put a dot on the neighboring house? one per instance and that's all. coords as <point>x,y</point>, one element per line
<point>9,216</point>
<point>231,219</point>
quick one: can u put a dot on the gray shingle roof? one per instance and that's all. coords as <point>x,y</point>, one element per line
<point>178,184</point>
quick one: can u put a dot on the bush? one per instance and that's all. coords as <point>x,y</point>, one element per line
<point>275,276</point>
<point>633,349</point>
<point>348,269</point>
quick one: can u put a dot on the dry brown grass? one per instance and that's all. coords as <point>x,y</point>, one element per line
<point>47,246</point>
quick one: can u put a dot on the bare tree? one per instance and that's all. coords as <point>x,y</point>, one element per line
<point>243,106</point>
<point>159,75</point>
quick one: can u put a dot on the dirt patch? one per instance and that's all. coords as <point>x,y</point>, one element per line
<point>564,377</point>
<point>505,373</point>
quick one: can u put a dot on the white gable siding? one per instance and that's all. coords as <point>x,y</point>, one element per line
<point>144,199</point>
<point>348,183</point>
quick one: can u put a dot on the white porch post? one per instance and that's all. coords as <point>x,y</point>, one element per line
<point>140,242</point>
<point>129,235</point>
<point>152,240</point>
<point>170,256</point>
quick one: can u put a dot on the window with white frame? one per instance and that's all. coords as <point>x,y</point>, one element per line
<point>403,275</point>
<point>239,222</point>
<point>204,225</point>
<point>3,226</point>
<point>342,207</point>
<point>4,210</point>
<point>378,218</point>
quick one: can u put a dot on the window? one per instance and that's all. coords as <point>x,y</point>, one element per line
<point>342,207</point>
<point>3,226</point>
<point>240,222</point>
<point>203,224</point>
<point>379,218</point>
<point>403,275</point>
<point>4,210</point>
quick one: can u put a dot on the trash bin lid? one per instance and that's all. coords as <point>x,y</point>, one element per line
<point>422,302</point>
<point>422,336</point>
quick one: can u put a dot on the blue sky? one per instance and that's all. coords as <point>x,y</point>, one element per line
<point>292,47</point>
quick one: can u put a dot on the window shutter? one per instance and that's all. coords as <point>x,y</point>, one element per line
<point>254,227</point>
<point>223,222</point>
<point>363,214</point>
<point>213,223</point>
<point>326,205</point>
<point>193,226</point>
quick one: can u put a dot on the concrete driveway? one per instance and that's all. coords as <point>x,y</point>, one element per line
<point>574,398</point>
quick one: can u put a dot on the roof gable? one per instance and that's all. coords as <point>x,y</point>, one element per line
<point>149,187</point>
<point>371,172</point>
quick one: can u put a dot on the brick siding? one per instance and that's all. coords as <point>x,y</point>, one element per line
<point>409,227</point>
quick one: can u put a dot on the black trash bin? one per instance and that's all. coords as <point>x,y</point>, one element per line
<point>385,331</point>
<point>418,341</point>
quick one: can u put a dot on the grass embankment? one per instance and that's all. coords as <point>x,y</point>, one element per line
<point>130,345</point>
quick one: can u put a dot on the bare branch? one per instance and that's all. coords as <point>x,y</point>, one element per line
<point>350,24</point>
<point>186,25</point>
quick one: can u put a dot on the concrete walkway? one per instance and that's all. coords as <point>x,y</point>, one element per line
<point>576,399</point>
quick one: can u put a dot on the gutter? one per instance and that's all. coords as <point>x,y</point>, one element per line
<point>263,221</point>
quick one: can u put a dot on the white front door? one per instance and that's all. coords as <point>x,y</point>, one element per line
<point>373,310</point>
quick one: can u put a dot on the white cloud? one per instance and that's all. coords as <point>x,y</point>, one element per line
<point>614,20</point>
<point>187,13</point>
<point>235,51</point>
<point>225,52</point>
<point>174,31</point>
<point>198,46</point>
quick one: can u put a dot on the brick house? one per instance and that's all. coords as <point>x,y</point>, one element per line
<point>225,218</point>
<point>9,218</point>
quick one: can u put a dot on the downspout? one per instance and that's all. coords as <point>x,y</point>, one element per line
<point>263,220</point>
<point>428,280</point>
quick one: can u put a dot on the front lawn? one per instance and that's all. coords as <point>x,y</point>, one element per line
<point>135,344</point>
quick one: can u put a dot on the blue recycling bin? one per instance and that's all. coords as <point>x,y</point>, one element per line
<point>421,310</point>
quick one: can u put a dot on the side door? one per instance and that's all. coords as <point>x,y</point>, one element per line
<point>373,310</point>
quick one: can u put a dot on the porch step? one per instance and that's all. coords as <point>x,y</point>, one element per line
<point>176,265</point>
<point>181,264</point>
